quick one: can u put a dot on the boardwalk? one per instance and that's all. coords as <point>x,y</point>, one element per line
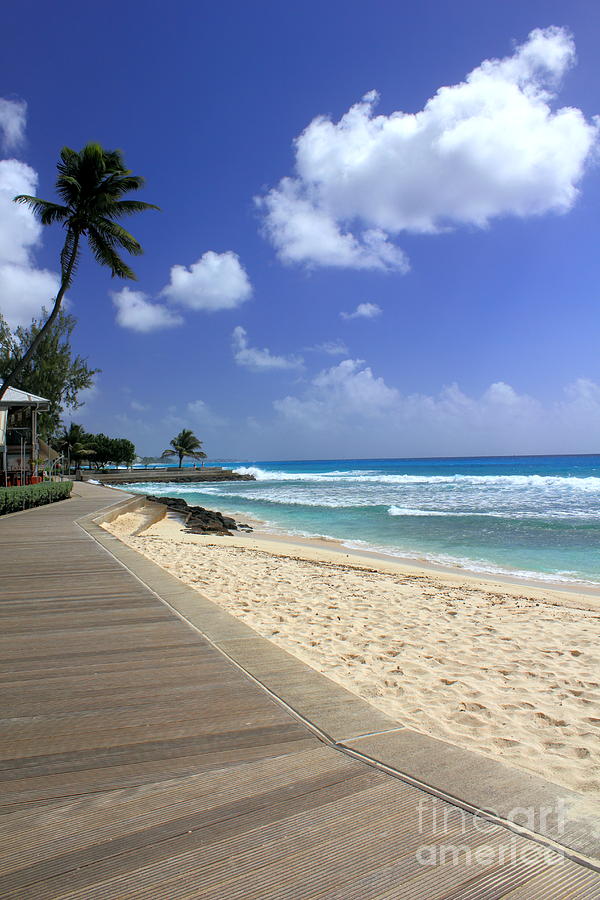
<point>138,762</point>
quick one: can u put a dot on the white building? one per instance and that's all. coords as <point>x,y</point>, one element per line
<point>19,442</point>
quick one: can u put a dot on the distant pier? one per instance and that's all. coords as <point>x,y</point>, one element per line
<point>185,476</point>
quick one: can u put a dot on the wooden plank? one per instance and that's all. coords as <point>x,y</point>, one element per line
<point>137,761</point>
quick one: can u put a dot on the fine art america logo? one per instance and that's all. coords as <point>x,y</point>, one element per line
<point>455,837</point>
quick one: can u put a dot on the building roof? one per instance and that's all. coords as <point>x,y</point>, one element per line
<point>47,452</point>
<point>15,397</point>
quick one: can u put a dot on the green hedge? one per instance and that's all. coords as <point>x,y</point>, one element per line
<point>14,499</point>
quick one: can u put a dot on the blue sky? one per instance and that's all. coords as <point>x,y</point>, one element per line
<point>460,240</point>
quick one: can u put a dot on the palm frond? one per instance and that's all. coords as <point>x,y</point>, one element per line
<point>93,157</point>
<point>68,161</point>
<point>54,212</point>
<point>107,256</point>
<point>68,191</point>
<point>115,162</point>
<point>120,208</point>
<point>117,236</point>
<point>118,184</point>
<point>72,181</point>
<point>46,212</point>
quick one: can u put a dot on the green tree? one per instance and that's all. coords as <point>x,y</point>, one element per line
<point>75,444</point>
<point>107,450</point>
<point>185,444</point>
<point>101,445</point>
<point>52,371</point>
<point>123,452</point>
<point>91,184</point>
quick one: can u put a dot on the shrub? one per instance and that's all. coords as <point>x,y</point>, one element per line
<point>14,499</point>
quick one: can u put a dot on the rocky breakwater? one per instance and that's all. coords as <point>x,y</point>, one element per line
<point>198,520</point>
<point>179,476</point>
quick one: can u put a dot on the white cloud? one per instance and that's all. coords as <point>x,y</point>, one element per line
<point>347,410</point>
<point>363,311</point>
<point>134,427</point>
<point>13,117</point>
<point>173,420</point>
<point>203,415</point>
<point>303,232</point>
<point>342,392</point>
<point>134,311</point>
<point>332,348</point>
<point>24,289</point>
<point>256,359</point>
<point>489,146</point>
<point>139,407</point>
<point>20,231</point>
<point>217,281</point>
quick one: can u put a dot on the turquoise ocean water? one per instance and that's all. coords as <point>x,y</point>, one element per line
<point>537,515</point>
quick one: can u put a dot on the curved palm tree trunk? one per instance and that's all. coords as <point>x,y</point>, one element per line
<point>181,459</point>
<point>66,280</point>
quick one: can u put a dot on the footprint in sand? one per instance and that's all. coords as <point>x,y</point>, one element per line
<point>548,720</point>
<point>505,743</point>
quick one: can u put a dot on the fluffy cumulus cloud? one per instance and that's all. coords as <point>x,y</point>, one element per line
<point>342,392</point>
<point>305,232</point>
<point>13,118</point>
<point>24,288</point>
<point>24,291</point>
<point>490,146</point>
<point>363,311</point>
<point>217,281</point>
<point>348,410</point>
<point>256,359</point>
<point>136,312</point>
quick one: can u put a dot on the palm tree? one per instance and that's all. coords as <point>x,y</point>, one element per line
<point>91,183</point>
<point>185,444</point>
<point>73,442</point>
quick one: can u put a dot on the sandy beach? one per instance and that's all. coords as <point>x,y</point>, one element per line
<point>508,670</point>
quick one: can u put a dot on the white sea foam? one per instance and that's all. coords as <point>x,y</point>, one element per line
<point>404,511</point>
<point>585,483</point>
<point>517,506</point>
<point>496,514</point>
<point>163,488</point>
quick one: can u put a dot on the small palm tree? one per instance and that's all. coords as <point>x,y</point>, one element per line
<point>91,183</point>
<point>185,444</point>
<point>73,442</point>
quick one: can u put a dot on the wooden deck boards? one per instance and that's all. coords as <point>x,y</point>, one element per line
<point>137,762</point>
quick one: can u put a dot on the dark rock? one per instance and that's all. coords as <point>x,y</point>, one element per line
<point>171,502</point>
<point>199,520</point>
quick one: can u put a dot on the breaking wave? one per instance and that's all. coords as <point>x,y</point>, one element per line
<point>583,483</point>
